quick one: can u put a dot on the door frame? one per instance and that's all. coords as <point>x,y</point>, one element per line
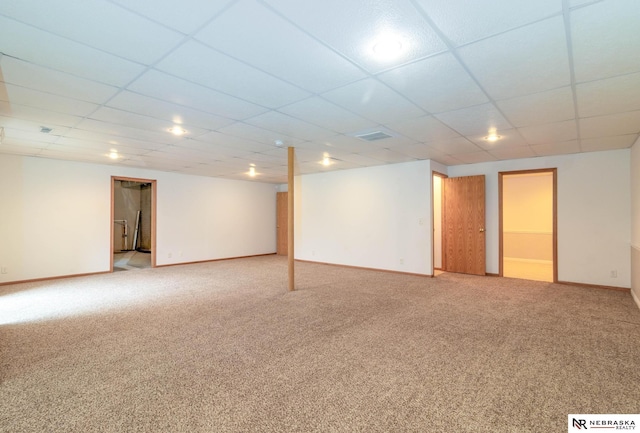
<point>554,173</point>
<point>153,183</point>
<point>433,224</point>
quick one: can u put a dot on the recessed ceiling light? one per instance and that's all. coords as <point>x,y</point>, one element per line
<point>252,170</point>
<point>279,143</point>
<point>387,47</point>
<point>176,130</point>
<point>113,154</point>
<point>493,136</point>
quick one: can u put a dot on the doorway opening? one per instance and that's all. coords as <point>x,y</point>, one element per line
<point>528,224</point>
<point>133,223</point>
<point>437,199</point>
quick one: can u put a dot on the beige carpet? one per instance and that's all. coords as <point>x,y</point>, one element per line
<point>223,347</point>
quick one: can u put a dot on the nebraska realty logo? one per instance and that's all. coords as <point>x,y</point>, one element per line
<point>603,422</point>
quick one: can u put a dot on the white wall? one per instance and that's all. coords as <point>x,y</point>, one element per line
<point>55,217</point>
<point>635,221</point>
<point>593,213</point>
<point>376,217</point>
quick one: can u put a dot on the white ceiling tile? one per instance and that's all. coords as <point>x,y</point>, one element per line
<point>614,124</point>
<point>538,108</point>
<point>436,84</point>
<point>120,117</point>
<point>558,148</point>
<point>136,148</point>
<point>607,143</point>
<point>375,101</point>
<point>361,159</point>
<point>388,156</point>
<point>99,24</point>
<point>276,46</point>
<point>178,114</point>
<point>213,139</point>
<point>323,113</point>
<point>46,80</point>
<point>612,95</point>
<point>43,48</point>
<point>202,65</point>
<point>353,28</point>
<point>466,21</point>
<point>98,126</point>
<point>46,101</point>
<point>290,126</point>
<point>419,151</point>
<point>455,146</point>
<point>111,140</point>
<point>23,113</point>
<point>347,144</point>
<point>162,86</point>
<point>552,132</point>
<point>512,152</point>
<point>475,157</point>
<point>31,137</point>
<point>606,39</point>
<point>16,147</point>
<point>526,60</point>
<point>474,120</point>
<point>179,17</point>
<point>425,128</point>
<point>261,135</point>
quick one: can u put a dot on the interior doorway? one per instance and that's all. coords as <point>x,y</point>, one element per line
<point>133,223</point>
<point>437,198</point>
<point>528,224</point>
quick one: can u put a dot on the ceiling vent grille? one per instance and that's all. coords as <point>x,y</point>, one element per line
<point>373,136</point>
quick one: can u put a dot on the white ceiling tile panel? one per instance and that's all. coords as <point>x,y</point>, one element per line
<point>455,146</point>
<point>276,46</point>
<point>436,84</point>
<point>512,152</point>
<point>46,80</point>
<point>552,132</point>
<point>123,147</point>
<point>475,157</point>
<point>45,49</point>
<point>113,141</point>
<point>213,139</point>
<point>611,125</point>
<point>119,117</point>
<point>419,151</point>
<point>606,39</point>
<point>202,65</point>
<point>261,135</point>
<point>607,143</point>
<point>558,148</point>
<point>508,138</point>
<point>474,120</point>
<point>388,156</point>
<point>23,113</point>
<point>46,101</point>
<point>321,112</point>
<point>526,60</point>
<point>99,24</point>
<point>179,17</point>
<point>361,159</point>
<point>98,126</point>
<point>425,129</point>
<point>609,96</point>
<point>30,137</point>
<point>373,100</point>
<point>545,107</point>
<point>178,114</point>
<point>466,21</point>
<point>353,28</point>
<point>290,126</point>
<point>162,86</point>
<point>347,144</point>
<point>16,147</point>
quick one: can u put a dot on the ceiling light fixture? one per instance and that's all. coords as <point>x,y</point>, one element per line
<point>279,143</point>
<point>252,170</point>
<point>113,154</point>
<point>177,131</point>
<point>493,136</point>
<point>387,47</point>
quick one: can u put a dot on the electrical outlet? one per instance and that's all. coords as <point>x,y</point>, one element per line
<point>614,274</point>
<point>402,261</point>
<point>4,270</point>
<point>169,255</point>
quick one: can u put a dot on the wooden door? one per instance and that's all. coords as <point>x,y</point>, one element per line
<point>463,225</point>
<point>282,207</point>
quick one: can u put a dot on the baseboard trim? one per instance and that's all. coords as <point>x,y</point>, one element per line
<point>595,286</point>
<point>389,271</point>
<point>59,277</point>
<point>213,260</point>
<point>491,274</point>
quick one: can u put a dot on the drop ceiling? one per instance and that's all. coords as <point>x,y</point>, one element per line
<point>551,76</point>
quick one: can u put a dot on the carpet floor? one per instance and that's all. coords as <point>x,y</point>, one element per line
<point>224,347</point>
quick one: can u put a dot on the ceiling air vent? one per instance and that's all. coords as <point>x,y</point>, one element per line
<point>373,136</point>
